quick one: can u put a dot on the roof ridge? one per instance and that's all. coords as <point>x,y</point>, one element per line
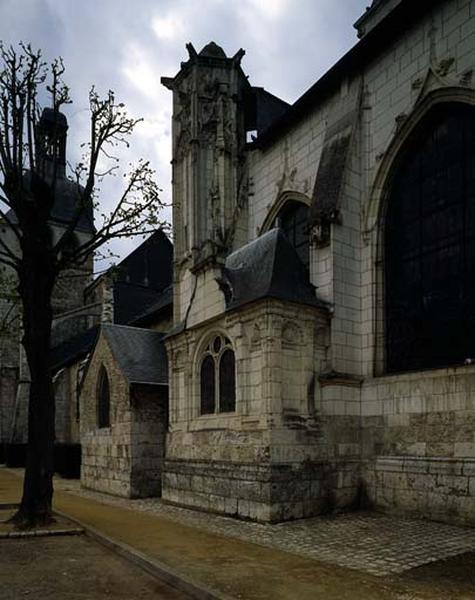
<point>142,329</point>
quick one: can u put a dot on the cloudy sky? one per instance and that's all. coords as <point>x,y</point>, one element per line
<point>127,45</point>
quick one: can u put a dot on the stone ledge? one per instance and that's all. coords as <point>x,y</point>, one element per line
<point>426,464</point>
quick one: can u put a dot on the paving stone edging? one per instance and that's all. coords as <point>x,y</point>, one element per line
<point>29,533</point>
<point>151,566</point>
<point>40,533</point>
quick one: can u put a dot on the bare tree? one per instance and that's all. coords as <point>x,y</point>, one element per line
<point>29,167</point>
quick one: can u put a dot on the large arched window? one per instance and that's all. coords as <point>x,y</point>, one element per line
<point>103,399</point>
<point>293,219</point>
<point>430,244</point>
<point>218,377</point>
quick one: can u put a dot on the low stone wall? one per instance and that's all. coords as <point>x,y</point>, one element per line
<point>442,489</point>
<point>106,462</point>
<point>147,445</point>
<point>425,413</point>
<point>125,460</point>
<point>269,493</point>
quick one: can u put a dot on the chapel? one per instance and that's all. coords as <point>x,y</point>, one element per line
<point>310,345</point>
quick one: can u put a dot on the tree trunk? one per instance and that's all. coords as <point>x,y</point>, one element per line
<point>36,281</point>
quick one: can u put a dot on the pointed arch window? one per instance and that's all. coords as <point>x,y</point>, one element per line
<point>293,219</point>
<point>103,399</point>
<point>429,244</point>
<point>218,377</point>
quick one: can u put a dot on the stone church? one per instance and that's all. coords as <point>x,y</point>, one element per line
<point>314,350</point>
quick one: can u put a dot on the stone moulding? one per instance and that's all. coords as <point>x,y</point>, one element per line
<point>337,378</point>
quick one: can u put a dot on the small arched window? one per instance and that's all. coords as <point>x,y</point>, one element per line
<point>293,219</point>
<point>430,244</point>
<point>218,377</point>
<point>103,399</point>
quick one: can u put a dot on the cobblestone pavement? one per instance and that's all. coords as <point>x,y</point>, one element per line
<point>369,542</point>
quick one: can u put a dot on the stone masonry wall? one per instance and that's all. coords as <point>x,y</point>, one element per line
<point>442,489</point>
<point>260,492</point>
<point>149,426</point>
<point>406,441</point>
<point>106,452</point>
<point>420,429</point>
<point>283,454</point>
<point>423,414</point>
<point>126,458</point>
<point>390,86</point>
<point>426,417</point>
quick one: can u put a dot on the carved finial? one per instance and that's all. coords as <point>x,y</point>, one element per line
<point>238,56</point>
<point>191,50</point>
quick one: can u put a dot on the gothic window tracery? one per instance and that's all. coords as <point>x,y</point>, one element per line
<point>103,399</point>
<point>430,245</point>
<point>293,219</point>
<point>218,377</point>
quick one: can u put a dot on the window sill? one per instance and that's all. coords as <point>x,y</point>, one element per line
<point>215,421</point>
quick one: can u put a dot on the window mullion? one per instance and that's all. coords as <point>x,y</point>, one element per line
<point>217,399</point>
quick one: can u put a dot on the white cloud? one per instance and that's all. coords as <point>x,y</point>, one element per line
<point>270,9</point>
<point>168,28</point>
<point>141,73</point>
<point>128,46</point>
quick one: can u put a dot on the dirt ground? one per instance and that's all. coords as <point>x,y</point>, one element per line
<point>77,568</point>
<point>73,568</point>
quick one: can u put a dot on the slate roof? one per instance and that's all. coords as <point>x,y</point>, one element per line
<point>130,301</point>
<point>267,267</point>
<point>73,348</point>
<point>328,186</point>
<point>140,353</point>
<point>149,265</point>
<point>65,206</point>
<point>163,300</point>
<point>262,109</point>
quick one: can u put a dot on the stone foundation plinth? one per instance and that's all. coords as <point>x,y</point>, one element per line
<point>269,493</point>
